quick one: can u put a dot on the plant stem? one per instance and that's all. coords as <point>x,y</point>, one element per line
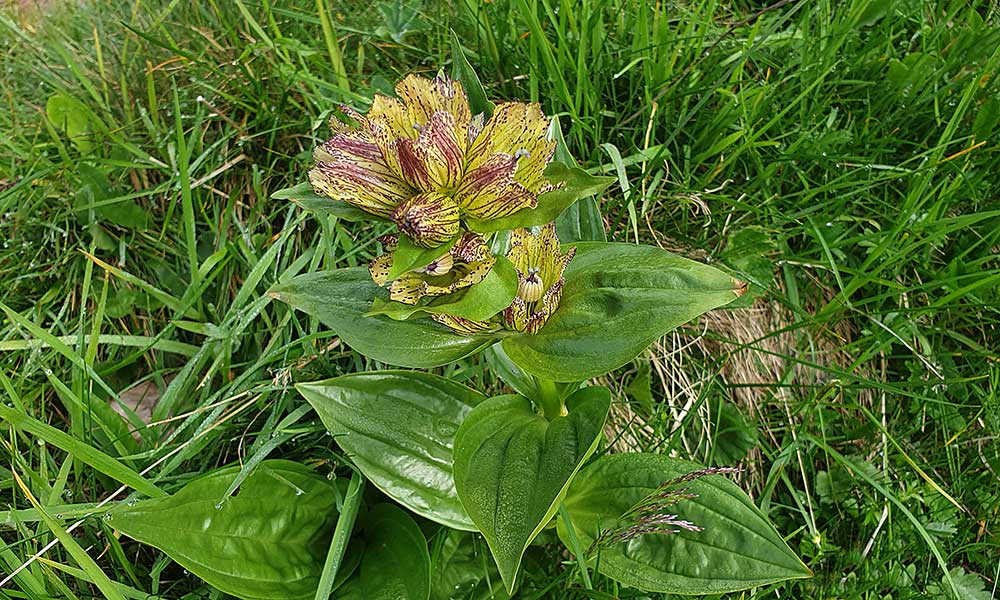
<point>549,399</point>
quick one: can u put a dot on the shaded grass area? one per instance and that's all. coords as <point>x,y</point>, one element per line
<point>840,156</point>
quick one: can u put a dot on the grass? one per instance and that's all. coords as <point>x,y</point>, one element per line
<point>840,155</point>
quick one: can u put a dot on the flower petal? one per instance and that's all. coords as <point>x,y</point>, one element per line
<point>472,262</point>
<point>379,269</point>
<point>391,115</point>
<point>539,254</point>
<point>434,160</point>
<point>429,219</point>
<point>366,185</point>
<point>424,97</point>
<point>490,191</point>
<point>466,326</point>
<point>520,129</point>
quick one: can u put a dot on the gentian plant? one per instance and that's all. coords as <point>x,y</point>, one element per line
<point>492,251</point>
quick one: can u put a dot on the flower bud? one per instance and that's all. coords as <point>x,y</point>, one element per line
<point>439,266</point>
<point>428,219</point>
<point>530,286</point>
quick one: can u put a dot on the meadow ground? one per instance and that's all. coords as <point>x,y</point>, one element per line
<point>841,156</point>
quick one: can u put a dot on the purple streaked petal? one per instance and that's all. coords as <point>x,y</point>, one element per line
<point>489,191</point>
<point>368,189</point>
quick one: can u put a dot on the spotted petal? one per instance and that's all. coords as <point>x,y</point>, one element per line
<point>361,181</point>
<point>521,129</point>
<point>490,191</point>
<point>466,326</point>
<point>392,116</point>
<point>536,256</point>
<point>424,97</point>
<point>435,159</point>
<point>429,219</point>
<point>471,262</point>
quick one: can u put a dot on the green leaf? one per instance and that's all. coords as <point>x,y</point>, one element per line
<point>340,300</point>
<point>409,256</point>
<point>641,387</point>
<point>339,562</point>
<point>523,383</point>
<point>963,586</point>
<point>267,542</point>
<point>396,564</point>
<point>576,184</point>
<point>581,221</point>
<point>513,466</point>
<point>462,568</point>
<point>478,302</point>
<point>93,196</point>
<point>72,116</point>
<point>303,195</point>
<point>462,71</point>
<point>399,429</point>
<point>737,550</point>
<point>986,119</point>
<point>617,300</point>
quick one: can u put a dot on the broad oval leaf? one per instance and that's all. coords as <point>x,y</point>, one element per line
<point>575,183</point>
<point>462,568</point>
<point>399,429</point>
<point>738,548</point>
<point>340,300</point>
<point>396,564</point>
<point>617,300</point>
<point>72,116</point>
<point>268,542</point>
<point>512,467</point>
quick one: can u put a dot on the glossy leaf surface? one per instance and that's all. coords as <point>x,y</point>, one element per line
<point>399,428</point>
<point>463,568</point>
<point>396,564</point>
<point>617,300</point>
<point>512,467</point>
<point>340,300</point>
<point>268,542</point>
<point>738,549</point>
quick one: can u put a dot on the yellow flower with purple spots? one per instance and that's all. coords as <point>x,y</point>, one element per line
<point>464,264</point>
<point>540,265</point>
<point>424,162</point>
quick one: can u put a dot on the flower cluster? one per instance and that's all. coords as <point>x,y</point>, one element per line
<point>427,164</point>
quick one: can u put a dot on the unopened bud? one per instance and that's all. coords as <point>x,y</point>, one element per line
<point>429,219</point>
<point>439,266</point>
<point>530,288</point>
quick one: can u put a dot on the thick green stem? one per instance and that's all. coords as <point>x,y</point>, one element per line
<point>550,399</point>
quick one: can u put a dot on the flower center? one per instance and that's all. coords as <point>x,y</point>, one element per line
<point>531,288</point>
